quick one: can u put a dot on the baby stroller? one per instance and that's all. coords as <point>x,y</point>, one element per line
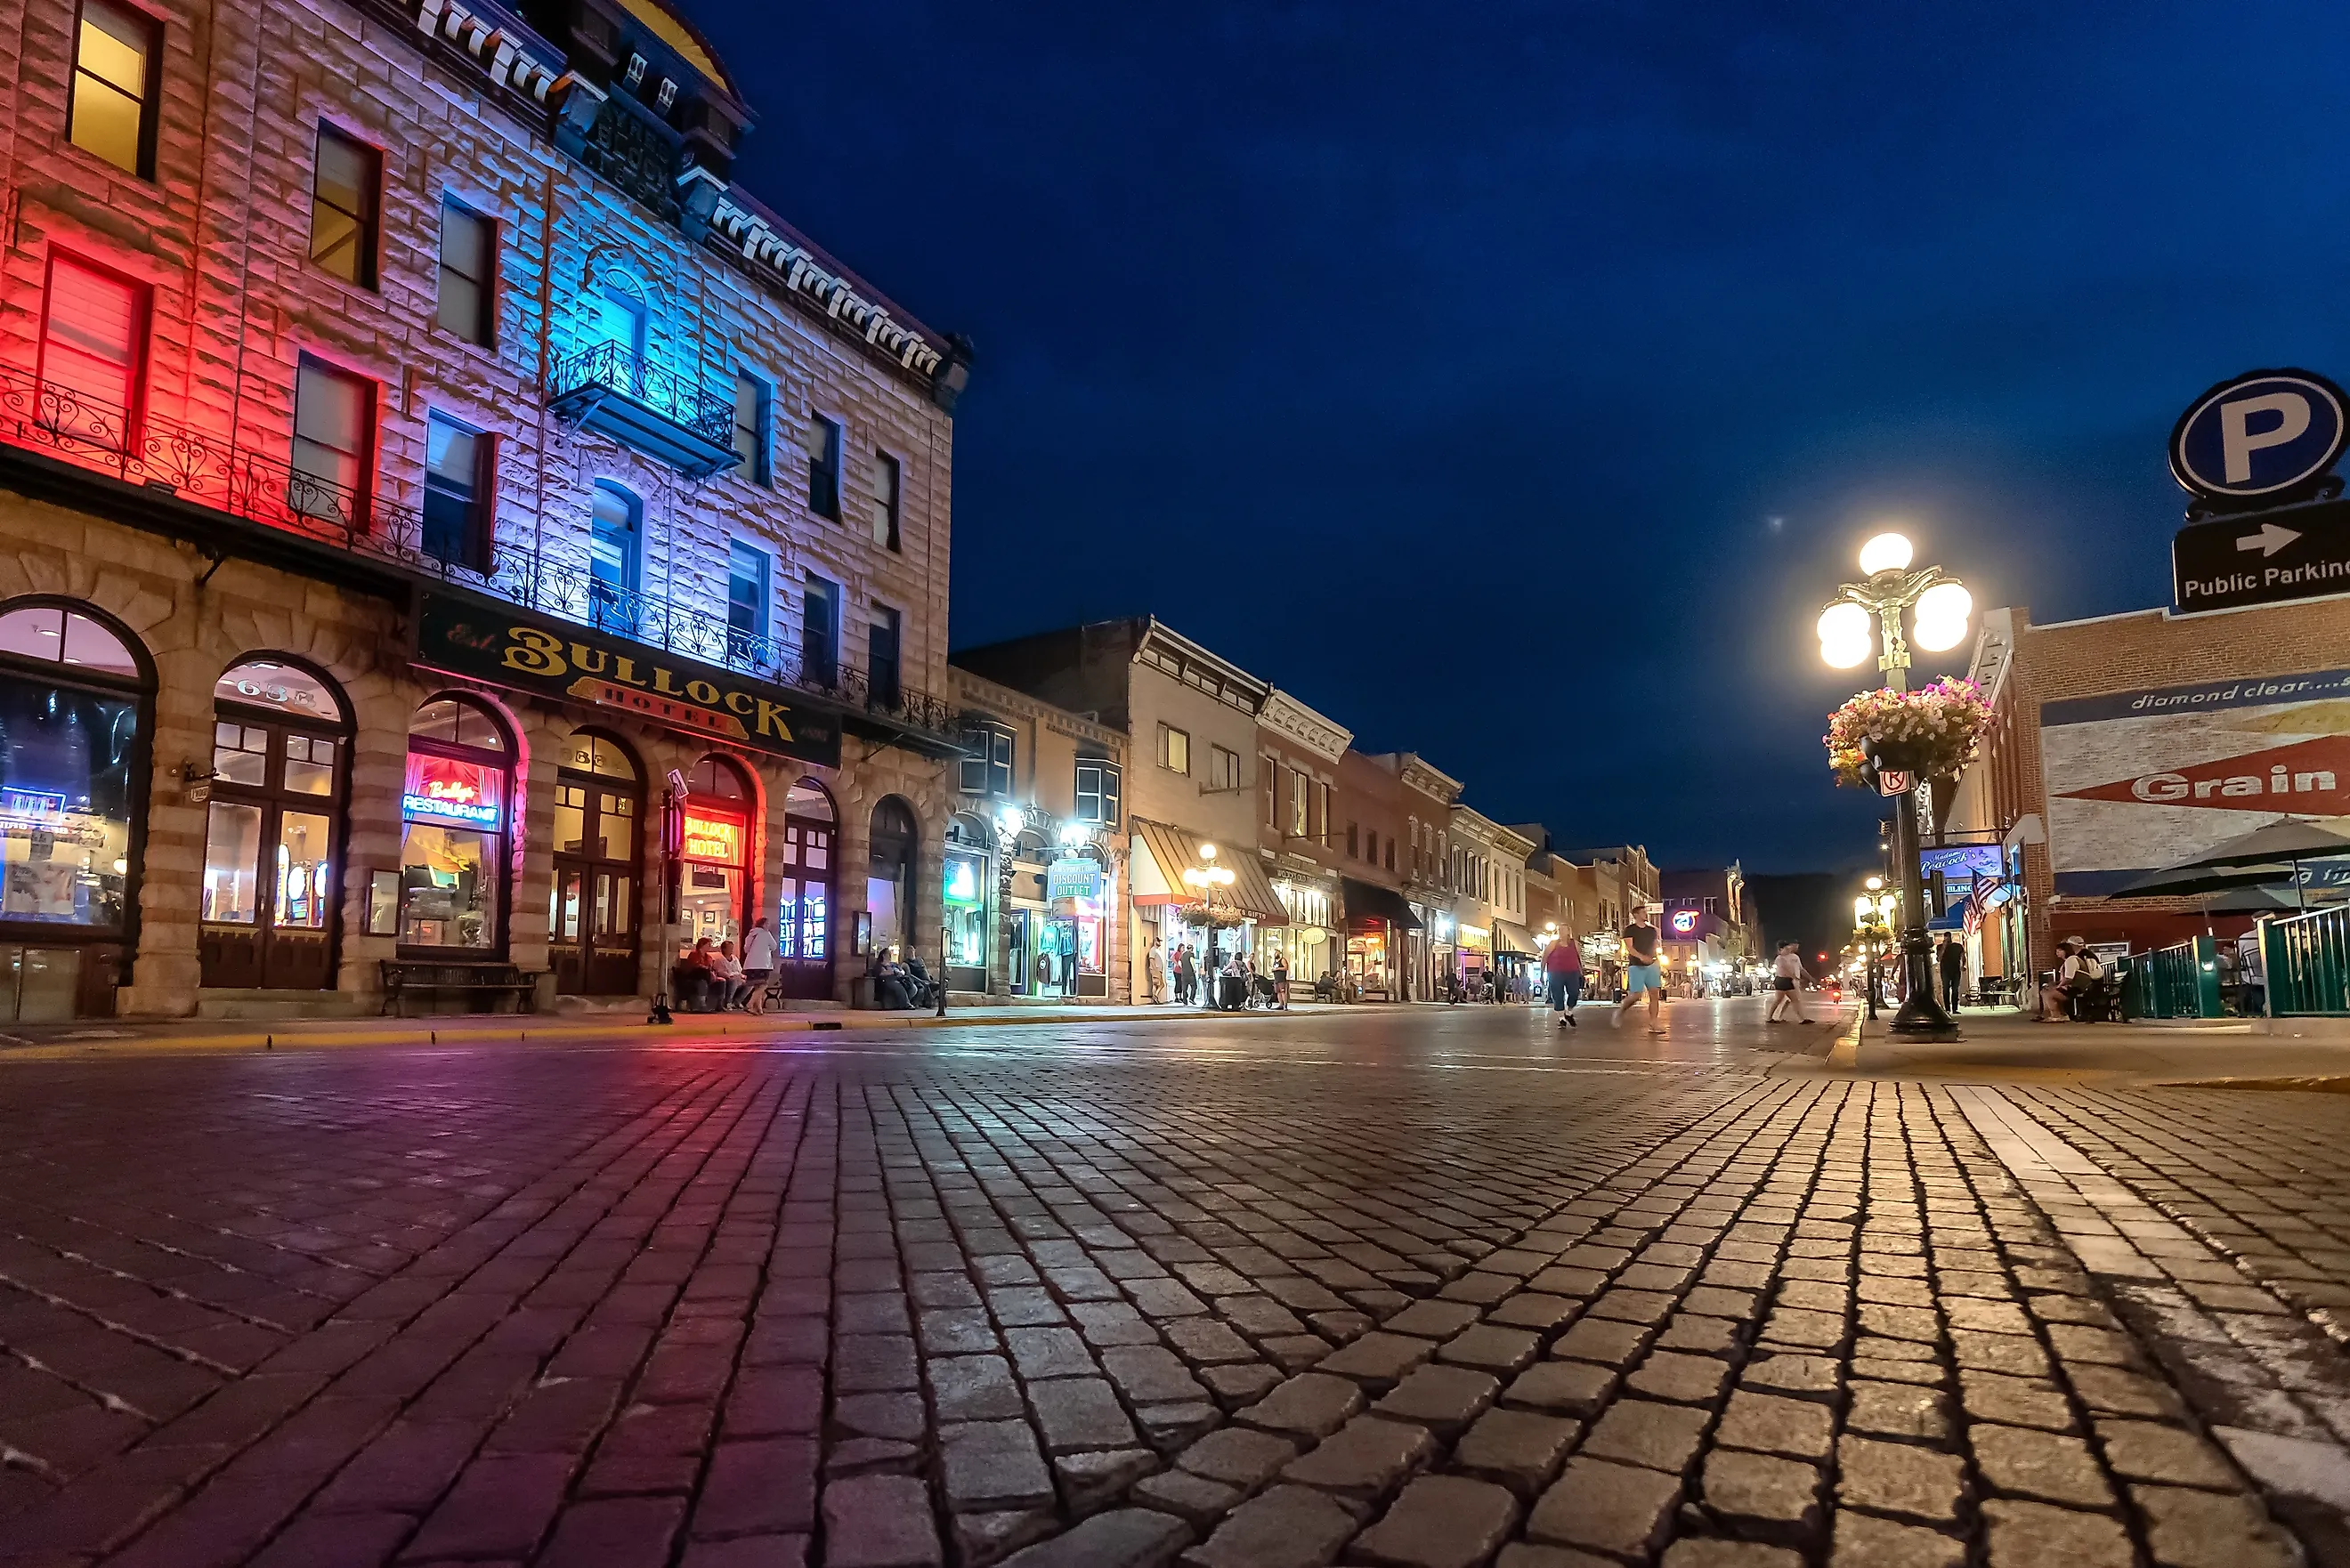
<point>1262,993</point>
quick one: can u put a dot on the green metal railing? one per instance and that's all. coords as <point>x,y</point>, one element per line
<point>2177,981</point>
<point>2306,958</point>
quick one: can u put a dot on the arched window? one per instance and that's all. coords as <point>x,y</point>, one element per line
<point>889,881</point>
<point>76,700</point>
<point>803,926</point>
<point>599,808</point>
<point>273,831</point>
<point>452,856</point>
<point>714,872</point>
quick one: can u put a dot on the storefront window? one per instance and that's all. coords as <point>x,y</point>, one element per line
<point>452,850</point>
<point>966,910</point>
<point>68,801</point>
<point>713,883</point>
<point>890,876</point>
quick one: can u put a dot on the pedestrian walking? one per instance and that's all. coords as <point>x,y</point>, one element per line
<point>1187,976</point>
<point>1562,974</point>
<point>1643,975</point>
<point>1154,974</point>
<point>1951,961</point>
<point>1787,984</point>
<point>758,965</point>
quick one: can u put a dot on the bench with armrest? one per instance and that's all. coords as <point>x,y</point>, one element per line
<point>482,983</point>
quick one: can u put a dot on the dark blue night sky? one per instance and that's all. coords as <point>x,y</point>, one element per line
<point>1512,382</point>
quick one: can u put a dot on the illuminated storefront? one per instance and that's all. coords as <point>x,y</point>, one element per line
<point>74,702</point>
<point>1309,943</point>
<point>452,854</point>
<point>804,908</point>
<point>964,898</point>
<point>1378,923</point>
<point>1070,951</point>
<point>713,884</point>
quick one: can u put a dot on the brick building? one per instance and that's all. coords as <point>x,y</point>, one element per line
<point>2126,744</point>
<point>1299,839</point>
<point>1037,903</point>
<point>1191,802</point>
<point>1424,797</point>
<point>413,450</point>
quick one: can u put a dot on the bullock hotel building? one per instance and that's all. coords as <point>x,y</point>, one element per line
<point>414,452</point>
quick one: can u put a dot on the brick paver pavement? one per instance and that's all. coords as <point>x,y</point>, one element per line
<point>1435,1286</point>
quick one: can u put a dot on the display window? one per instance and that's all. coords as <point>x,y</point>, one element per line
<point>75,708</point>
<point>713,884</point>
<point>453,855</point>
<point>964,900</point>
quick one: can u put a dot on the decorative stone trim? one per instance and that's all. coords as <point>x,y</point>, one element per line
<point>792,266</point>
<point>507,66</point>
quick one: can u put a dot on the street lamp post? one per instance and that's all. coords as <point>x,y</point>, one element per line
<point>1867,618</point>
<point>1871,912</point>
<point>1204,880</point>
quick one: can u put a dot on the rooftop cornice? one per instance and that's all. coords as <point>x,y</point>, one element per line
<point>533,74</point>
<point>1317,732</point>
<point>1158,633</point>
<point>1430,779</point>
<point>1003,701</point>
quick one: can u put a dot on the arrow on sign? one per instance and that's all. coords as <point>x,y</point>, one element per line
<point>2268,541</point>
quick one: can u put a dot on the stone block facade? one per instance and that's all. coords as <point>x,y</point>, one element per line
<point>215,238</point>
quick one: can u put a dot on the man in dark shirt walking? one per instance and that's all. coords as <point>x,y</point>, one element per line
<point>1952,960</point>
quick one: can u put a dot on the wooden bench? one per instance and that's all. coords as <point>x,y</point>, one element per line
<point>402,977</point>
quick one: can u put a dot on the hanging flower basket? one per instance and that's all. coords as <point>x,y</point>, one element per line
<point>1932,732</point>
<point>1215,917</point>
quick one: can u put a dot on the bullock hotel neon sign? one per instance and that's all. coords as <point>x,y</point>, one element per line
<point>511,647</point>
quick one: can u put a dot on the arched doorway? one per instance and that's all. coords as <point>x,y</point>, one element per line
<point>599,811</point>
<point>713,883</point>
<point>273,831</point>
<point>77,697</point>
<point>890,878</point>
<point>804,910</point>
<point>453,860</point>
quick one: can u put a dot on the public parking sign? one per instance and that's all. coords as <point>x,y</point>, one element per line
<point>2258,434</point>
<point>2262,557</point>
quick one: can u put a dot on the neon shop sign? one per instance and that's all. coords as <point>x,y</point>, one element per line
<point>442,789</point>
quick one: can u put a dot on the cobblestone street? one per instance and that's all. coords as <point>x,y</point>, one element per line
<point>1413,1287</point>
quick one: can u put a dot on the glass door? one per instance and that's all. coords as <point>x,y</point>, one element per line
<point>272,879</point>
<point>592,923</point>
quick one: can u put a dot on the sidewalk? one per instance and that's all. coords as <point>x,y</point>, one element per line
<point>310,1034</point>
<point>1998,1043</point>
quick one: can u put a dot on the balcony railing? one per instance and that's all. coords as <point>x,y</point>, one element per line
<point>225,476</point>
<point>663,414</point>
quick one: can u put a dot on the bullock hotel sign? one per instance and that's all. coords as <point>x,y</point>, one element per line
<point>485,640</point>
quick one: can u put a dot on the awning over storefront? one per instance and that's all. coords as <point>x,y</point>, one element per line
<point>1512,941</point>
<point>1370,901</point>
<point>1160,853</point>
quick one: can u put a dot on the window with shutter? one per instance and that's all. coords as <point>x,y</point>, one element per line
<point>346,190</point>
<point>469,249</point>
<point>458,483</point>
<point>114,86</point>
<point>92,333</point>
<point>886,474</point>
<point>333,430</point>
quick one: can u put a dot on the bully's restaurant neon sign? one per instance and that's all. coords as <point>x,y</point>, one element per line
<point>500,644</point>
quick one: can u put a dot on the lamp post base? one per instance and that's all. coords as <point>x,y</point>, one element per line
<point>1920,1015</point>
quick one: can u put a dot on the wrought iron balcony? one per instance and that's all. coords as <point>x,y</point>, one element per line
<point>311,524</point>
<point>637,403</point>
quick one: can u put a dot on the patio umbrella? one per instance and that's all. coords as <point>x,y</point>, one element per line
<point>2196,880</point>
<point>2293,838</point>
<point>2248,901</point>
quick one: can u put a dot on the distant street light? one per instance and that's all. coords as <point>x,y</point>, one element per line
<point>1940,609</point>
